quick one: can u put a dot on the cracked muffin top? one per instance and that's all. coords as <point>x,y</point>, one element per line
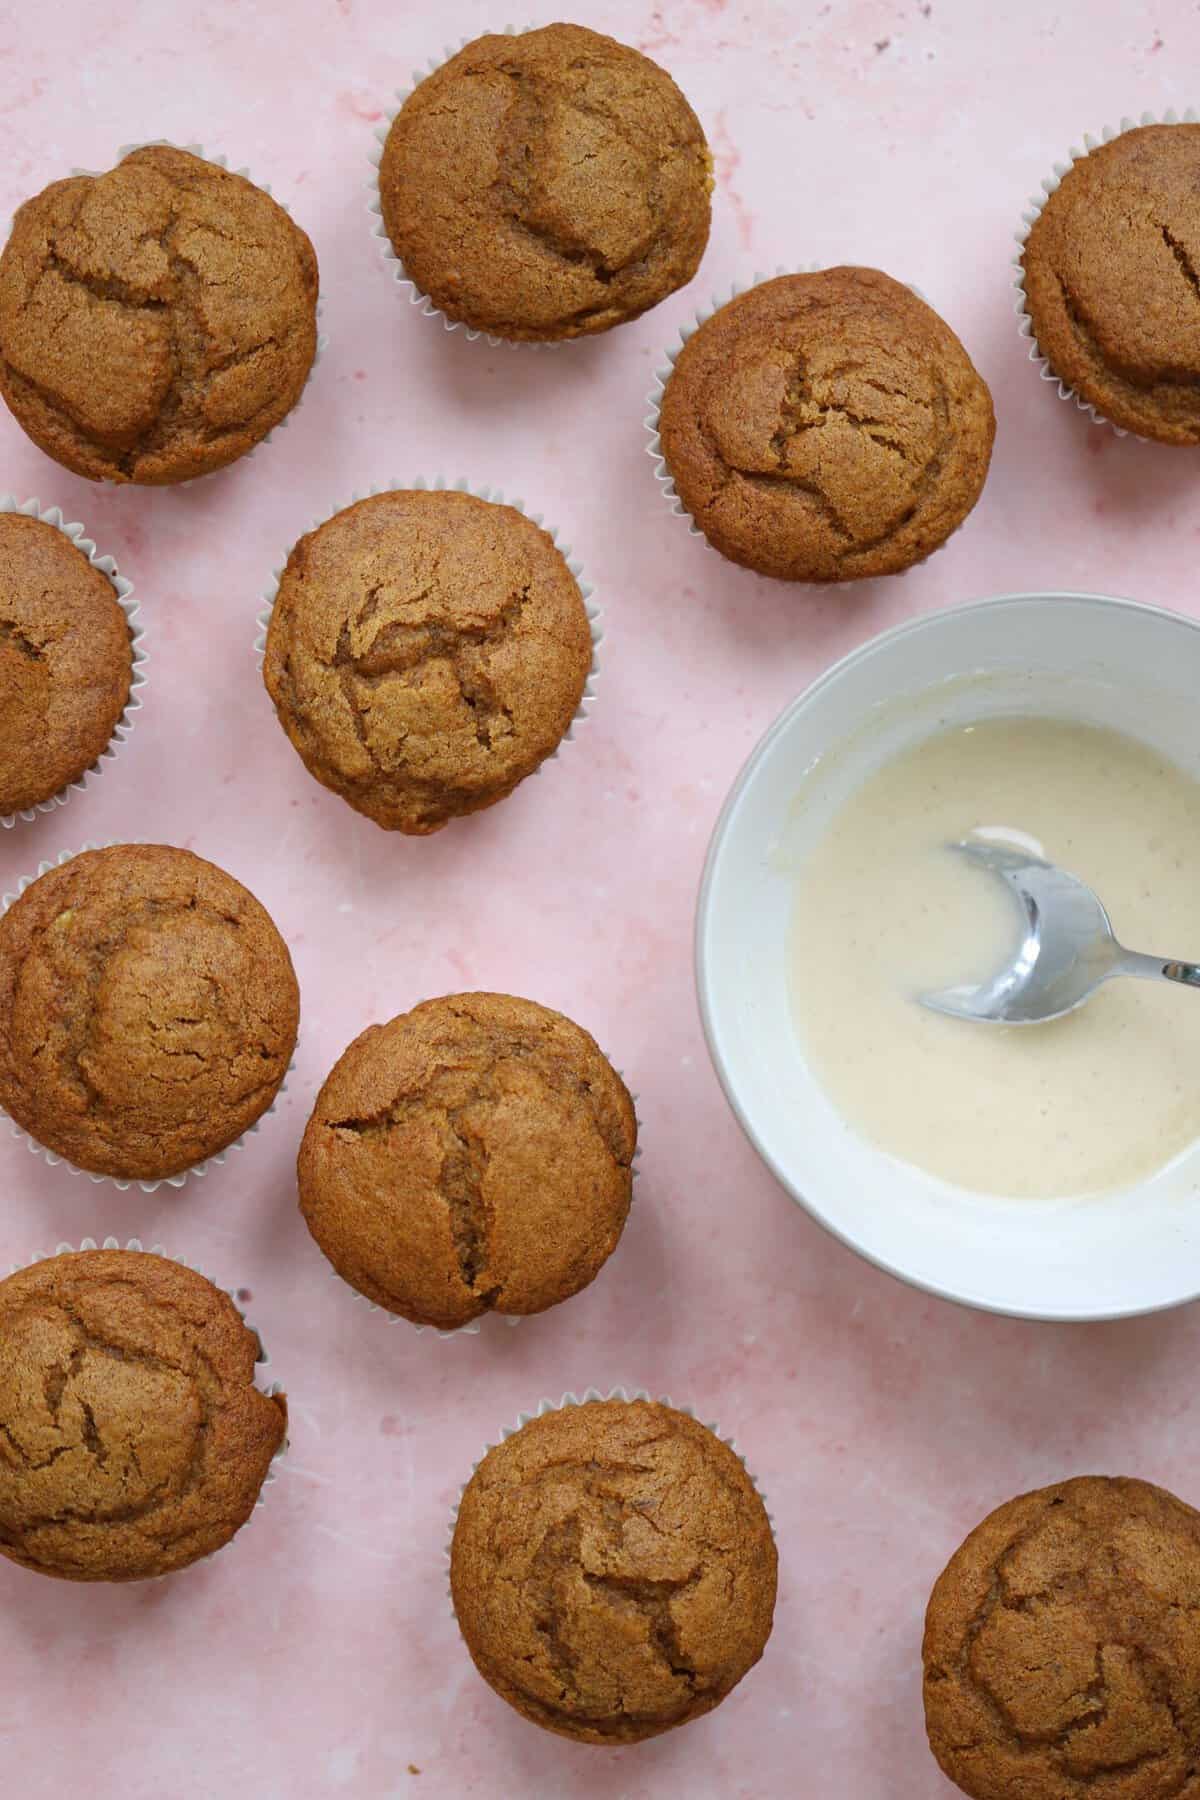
<point>613,1570</point>
<point>826,427</point>
<point>66,662</point>
<point>132,1437</point>
<point>1061,1655</point>
<point>148,1010</point>
<point>156,321</point>
<point>546,185</point>
<point>426,651</point>
<point>1112,281</point>
<point>472,1155</point>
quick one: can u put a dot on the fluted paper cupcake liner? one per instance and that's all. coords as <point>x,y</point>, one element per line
<point>272,1390</point>
<point>222,162</point>
<point>587,1399</point>
<point>123,588</point>
<point>399,274</point>
<point>1029,218</point>
<point>121,1183</point>
<point>663,373</point>
<point>439,484</point>
<point>507,1319</point>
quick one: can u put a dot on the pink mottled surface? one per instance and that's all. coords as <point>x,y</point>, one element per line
<point>316,1657</point>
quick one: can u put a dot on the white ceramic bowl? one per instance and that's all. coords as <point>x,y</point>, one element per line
<point>1074,656</point>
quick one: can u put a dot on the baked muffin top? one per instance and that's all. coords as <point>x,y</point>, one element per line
<point>1061,1655</point>
<point>66,662</point>
<point>473,1154</point>
<point>1112,280</point>
<point>132,1437</point>
<point>148,1010</point>
<point>826,427</point>
<point>613,1570</point>
<point>156,321</point>
<point>546,185</point>
<point>425,653</point>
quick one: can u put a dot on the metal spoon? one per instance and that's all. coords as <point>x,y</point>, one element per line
<point>1067,948</point>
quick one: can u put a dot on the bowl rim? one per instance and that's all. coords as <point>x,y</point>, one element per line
<point>882,640</point>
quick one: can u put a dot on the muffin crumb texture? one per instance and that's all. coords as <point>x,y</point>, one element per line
<point>66,662</point>
<point>132,1437</point>
<point>156,321</point>
<point>472,1155</point>
<point>1062,1658</point>
<point>148,1010</point>
<point>426,652</point>
<point>1111,271</point>
<point>826,427</point>
<point>613,1570</point>
<point>546,185</point>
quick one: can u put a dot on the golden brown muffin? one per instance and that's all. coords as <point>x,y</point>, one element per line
<point>1112,281</point>
<point>547,185</point>
<point>148,1010</point>
<point>826,427</point>
<point>1061,1655</point>
<point>426,652</point>
<point>132,1437</point>
<point>157,321</point>
<point>66,662</point>
<point>472,1155</point>
<point>613,1570</point>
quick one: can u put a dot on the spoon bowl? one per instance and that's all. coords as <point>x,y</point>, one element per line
<point>1067,947</point>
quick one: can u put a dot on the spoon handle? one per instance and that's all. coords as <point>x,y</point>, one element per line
<point>1159,968</point>
<point>1187,973</point>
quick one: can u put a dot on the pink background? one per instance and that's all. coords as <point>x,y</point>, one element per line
<point>316,1656</point>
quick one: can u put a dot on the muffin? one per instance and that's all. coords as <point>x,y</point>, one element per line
<point>148,1011</point>
<point>472,1155</point>
<point>613,1570</point>
<point>1111,284</point>
<point>826,427</point>
<point>426,652</point>
<point>156,321</point>
<point>1061,1655</point>
<point>132,1437</point>
<point>547,185</point>
<point>66,662</point>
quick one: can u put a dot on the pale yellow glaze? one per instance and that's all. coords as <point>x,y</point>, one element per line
<point>883,912</point>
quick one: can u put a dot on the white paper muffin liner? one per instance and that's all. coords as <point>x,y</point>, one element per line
<point>587,1399</point>
<point>654,449</point>
<point>198,1170</point>
<point>123,588</point>
<point>439,484</point>
<point>395,267</point>
<point>222,162</point>
<point>663,373</point>
<point>1029,217</point>
<point>272,1389</point>
<point>498,1318</point>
